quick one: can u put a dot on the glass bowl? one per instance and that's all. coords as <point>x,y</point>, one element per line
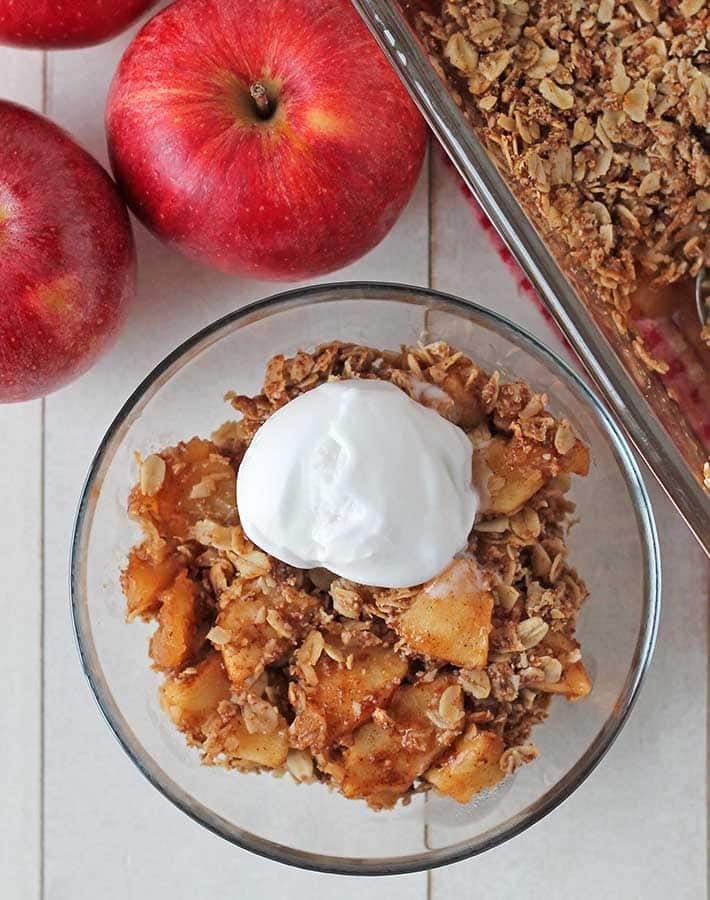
<point>614,546</point>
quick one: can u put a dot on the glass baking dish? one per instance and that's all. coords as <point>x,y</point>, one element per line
<point>637,398</point>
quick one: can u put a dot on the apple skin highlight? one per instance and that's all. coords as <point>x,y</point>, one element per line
<point>268,138</point>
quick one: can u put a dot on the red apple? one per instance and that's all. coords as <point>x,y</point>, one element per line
<point>55,24</point>
<point>263,137</point>
<point>67,260</point>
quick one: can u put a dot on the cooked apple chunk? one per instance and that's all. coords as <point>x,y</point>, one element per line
<point>471,766</point>
<point>468,408</point>
<point>182,486</point>
<point>256,628</point>
<point>341,690</point>
<point>518,469</point>
<point>387,754</point>
<point>145,577</point>
<point>192,697</point>
<point>263,750</point>
<point>574,684</point>
<point>174,640</point>
<point>450,618</point>
<point>235,742</point>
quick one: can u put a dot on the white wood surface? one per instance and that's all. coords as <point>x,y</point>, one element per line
<point>20,660</point>
<point>78,822</point>
<point>21,594</point>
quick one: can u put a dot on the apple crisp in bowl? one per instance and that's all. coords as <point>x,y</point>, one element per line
<point>377,692</point>
<point>230,628</point>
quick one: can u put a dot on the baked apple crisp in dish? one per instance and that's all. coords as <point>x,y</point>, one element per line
<point>600,114</point>
<point>378,691</point>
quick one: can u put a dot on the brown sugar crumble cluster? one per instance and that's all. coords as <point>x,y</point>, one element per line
<point>599,114</point>
<point>379,693</point>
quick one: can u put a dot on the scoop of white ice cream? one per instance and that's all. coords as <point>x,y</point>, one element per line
<point>358,478</point>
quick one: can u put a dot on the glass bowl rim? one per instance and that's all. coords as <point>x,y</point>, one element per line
<point>428,859</point>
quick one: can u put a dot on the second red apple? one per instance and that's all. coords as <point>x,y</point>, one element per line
<point>67,260</point>
<point>264,137</point>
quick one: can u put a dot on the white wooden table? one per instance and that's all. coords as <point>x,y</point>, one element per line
<point>78,822</point>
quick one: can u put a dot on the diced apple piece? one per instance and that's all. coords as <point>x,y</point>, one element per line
<point>520,468</point>
<point>576,462</point>
<point>239,745</point>
<point>376,759</point>
<point>145,578</point>
<point>198,483</point>
<point>249,633</point>
<point>560,643</point>
<point>450,618</point>
<point>263,628</point>
<point>174,640</point>
<point>574,684</point>
<point>192,697</point>
<point>515,478</point>
<point>467,411</point>
<point>384,760</point>
<point>343,698</point>
<point>471,766</point>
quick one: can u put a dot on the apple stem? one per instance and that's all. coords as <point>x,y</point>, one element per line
<point>261,99</point>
